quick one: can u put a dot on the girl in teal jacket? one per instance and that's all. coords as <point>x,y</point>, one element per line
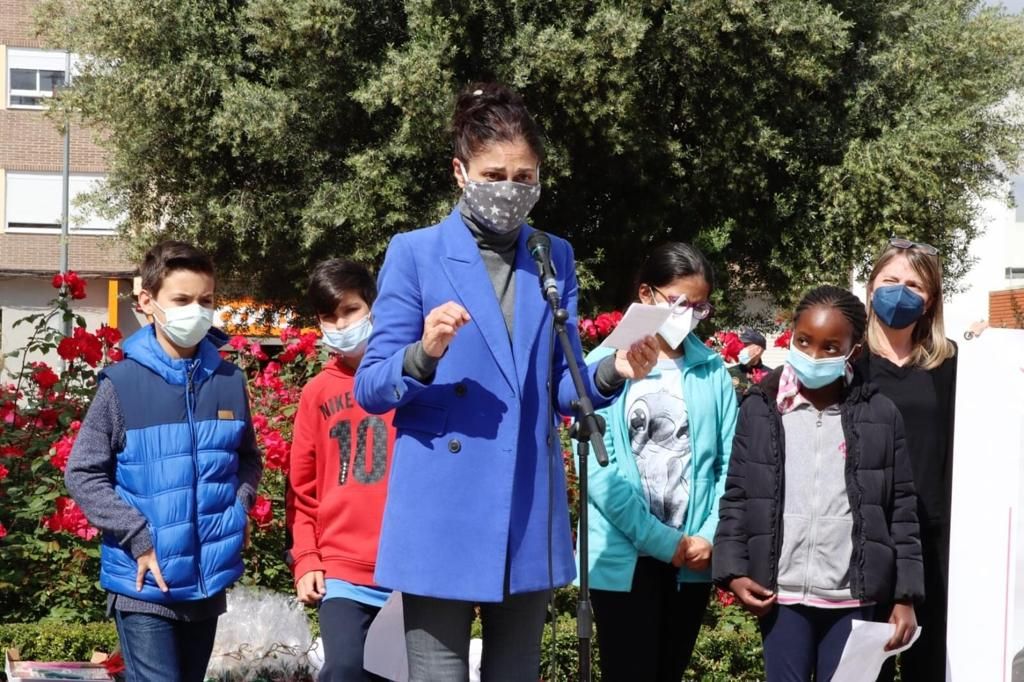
<point>654,508</point>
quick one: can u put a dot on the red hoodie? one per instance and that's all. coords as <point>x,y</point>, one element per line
<point>335,503</point>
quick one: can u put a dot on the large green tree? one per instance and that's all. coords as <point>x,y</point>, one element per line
<point>788,138</point>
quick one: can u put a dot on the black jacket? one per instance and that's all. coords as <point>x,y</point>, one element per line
<point>886,561</point>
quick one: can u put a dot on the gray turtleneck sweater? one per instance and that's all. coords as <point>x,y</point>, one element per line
<point>498,252</point>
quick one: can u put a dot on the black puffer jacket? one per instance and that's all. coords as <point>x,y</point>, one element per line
<point>886,563</point>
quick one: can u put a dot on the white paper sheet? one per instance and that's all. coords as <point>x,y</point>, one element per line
<point>639,321</point>
<point>865,652</point>
<point>384,653</point>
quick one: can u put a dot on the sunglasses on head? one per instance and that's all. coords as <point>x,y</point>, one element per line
<point>901,243</point>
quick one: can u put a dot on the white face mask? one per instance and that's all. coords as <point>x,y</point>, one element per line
<point>185,325</point>
<point>351,340</point>
<point>678,325</point>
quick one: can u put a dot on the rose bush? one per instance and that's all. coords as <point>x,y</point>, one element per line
<point>50,565</point>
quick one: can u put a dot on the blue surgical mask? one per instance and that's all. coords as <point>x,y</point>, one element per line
<point>897,306</point>
<point>744,357</point>
<point>351,340</point>
<point>816,373</point>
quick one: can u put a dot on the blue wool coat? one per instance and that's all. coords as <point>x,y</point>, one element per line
<point>184,422</point>
<point>477,462</point>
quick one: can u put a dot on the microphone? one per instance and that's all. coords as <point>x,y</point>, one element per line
<point>539,245</point>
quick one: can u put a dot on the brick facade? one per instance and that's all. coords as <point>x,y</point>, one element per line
<point>17,23</point>
<point>30,141</point>
<point>87,254</point>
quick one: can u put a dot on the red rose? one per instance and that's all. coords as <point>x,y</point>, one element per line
<point>115,354</point>
<point>61,450</point>
<point>262,512</point>
<point>44,377</point>
<point>75,285</point>
<point>289,333</point>
<point>605,323</point>
<point>89,346</point>
<point>108,335</point>
<point>256,350</point>
<point>69,518</point>
<point>67,348</point>
<point>3,472</point>
<point>3,531</point>
<point>731,345</point>
<point>238,342</point>
<point>588,329</point>
<point>275,449</point>
<point>725,598</point>
<point>114,664</point>
<point>756,374</point>
<point>289,353</point>
<point>784,338</point>
<point>11,451</point>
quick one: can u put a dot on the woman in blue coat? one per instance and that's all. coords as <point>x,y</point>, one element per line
<point>654,508</point>
<point>462,350</point>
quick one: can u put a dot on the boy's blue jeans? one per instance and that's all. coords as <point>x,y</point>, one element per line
<point>157,648</point>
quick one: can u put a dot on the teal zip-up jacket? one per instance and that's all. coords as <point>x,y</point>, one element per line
<point>622,526</point>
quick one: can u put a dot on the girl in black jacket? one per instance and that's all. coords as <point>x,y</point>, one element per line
<point>818,523</point>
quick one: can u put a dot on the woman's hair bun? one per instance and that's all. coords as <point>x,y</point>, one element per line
<point>486,113</point>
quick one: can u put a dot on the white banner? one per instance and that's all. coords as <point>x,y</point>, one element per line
<point>986,563</point>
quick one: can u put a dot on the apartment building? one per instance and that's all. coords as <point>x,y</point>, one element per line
<point>31,191</point>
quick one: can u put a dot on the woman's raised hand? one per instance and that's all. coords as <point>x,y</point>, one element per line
<point>440,326</point>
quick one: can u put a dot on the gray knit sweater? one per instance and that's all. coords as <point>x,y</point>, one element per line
<point>90,480</point>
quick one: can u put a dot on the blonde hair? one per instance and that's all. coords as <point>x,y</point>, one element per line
<point>931,347</point>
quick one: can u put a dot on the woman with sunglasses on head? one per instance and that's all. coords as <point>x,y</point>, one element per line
<point>654,508</point>
<point>913,364</point>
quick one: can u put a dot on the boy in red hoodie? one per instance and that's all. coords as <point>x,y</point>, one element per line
<point>337,476</point>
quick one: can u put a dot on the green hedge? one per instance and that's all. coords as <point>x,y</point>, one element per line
<point>728,648</point>
<point>54,641</point>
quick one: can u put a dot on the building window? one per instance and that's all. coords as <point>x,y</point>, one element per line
<point>33,76</point>
<point>34,203</point>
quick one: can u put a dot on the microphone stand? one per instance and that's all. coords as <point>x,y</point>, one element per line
<point>587,430</point>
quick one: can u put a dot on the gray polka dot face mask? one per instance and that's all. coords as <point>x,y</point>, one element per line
<point>500,206</point>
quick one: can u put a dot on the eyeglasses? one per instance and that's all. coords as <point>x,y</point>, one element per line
<point>901,243</point>
<point>701,311</point>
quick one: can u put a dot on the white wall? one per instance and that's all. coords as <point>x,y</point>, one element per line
<point>23,296</point>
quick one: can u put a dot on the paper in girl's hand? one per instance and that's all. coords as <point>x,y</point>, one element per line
<point>865,652</point>
<point>640,321</point>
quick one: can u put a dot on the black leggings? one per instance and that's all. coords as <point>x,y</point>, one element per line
<point>648,633</point>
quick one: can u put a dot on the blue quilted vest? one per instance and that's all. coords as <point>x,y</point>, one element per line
<point>184,421</point>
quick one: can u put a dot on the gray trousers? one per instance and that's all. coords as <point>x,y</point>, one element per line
<point>437,638</point>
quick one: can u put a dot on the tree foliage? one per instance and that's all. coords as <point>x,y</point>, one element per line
<point>787,138</point>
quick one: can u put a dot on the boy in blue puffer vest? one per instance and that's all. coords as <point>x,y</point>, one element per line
<point>166,466</point>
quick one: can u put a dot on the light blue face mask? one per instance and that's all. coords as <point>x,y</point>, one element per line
<point>816,373</point>
<point>351,340</point>
<point>744,357</point>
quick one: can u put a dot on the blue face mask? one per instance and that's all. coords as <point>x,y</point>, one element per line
<point>816,373</point>
<point>351,340</point>
<point>897,306</point>
<point>744,357</point>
